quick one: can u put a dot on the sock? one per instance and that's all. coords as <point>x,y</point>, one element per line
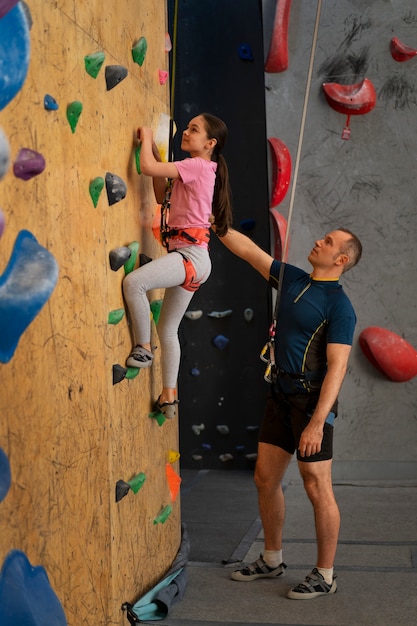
<point>273,558</point>
<point>327,574</point>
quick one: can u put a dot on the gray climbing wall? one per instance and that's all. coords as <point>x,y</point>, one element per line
<point>367,184</point>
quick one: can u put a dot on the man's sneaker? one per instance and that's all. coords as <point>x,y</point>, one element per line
<point>313,586</point>
<point>258,569</point>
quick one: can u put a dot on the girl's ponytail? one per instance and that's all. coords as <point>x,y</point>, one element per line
<point>222,197</point>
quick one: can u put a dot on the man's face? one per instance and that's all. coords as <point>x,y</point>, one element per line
<point>326,251</point>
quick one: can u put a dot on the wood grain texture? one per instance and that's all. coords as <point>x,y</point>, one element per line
<point>69,433</point>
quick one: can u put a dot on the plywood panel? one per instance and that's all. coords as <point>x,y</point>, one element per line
<point>69,433</point>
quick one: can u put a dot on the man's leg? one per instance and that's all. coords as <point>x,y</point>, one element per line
<point>270,468</point>
<point>271,465</point>
<point>317,480</point>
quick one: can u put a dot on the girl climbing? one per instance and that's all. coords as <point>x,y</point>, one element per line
<point>196,197</point>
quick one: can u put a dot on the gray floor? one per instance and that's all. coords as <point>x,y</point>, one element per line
<point>376,560</point>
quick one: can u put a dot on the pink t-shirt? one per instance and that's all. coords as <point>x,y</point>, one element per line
<point>192,193</point>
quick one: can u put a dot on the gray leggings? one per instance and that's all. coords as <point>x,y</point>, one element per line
<point>166,272</point>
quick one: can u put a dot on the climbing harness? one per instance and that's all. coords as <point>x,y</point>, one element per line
<point>268,351</point>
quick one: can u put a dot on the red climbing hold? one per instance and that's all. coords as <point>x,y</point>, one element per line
<point>356,99</point>
<point>280,226</point>
<point>389,353</point>
<point>277,60</point>
<point>281,170</point>
<point>400,52</point>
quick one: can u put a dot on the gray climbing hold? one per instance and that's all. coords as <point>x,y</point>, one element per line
<point>248,314</point>
<point>197,429</point>
<point>4,154</point>
<point>115,187</point>
<point>220,314</point>
<point>224,458</point>
<point>118,257</point>
<point>114,75</point>
<point>193,315</point>
<point>222,429</point>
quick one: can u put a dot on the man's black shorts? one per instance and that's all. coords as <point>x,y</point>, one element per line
<point>284,420</point>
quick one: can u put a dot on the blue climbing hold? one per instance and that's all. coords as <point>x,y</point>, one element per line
<point>26,596</point>
<point>49,103</point>
<point>5,475</point>
<point>220,341</point>
<point>14,51</point>
<point>25,286</point>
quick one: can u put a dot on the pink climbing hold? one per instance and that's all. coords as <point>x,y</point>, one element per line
<point>163,77</point>
<point>277,60</point>
<point>389,353</point>
<point>281,170</point>
<point>28,164</point>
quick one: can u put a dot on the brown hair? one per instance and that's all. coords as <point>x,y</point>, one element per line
<point>352,248</point>
<point>222,197</point>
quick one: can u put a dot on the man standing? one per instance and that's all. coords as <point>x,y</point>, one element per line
<point>314,333</point>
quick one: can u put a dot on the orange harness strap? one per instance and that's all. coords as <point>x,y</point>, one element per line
<point>188,235</point>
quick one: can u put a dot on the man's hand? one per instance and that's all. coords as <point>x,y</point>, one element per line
<point>311,439</point>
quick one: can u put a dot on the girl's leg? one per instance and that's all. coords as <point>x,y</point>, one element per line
<point>165,271</point>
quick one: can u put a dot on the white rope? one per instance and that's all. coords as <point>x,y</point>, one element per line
<point>302,126</point>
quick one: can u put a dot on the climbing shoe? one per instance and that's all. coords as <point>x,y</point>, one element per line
<point>166,408</point>
<point>313,586</point>
<point>258,569</point>
<point>139,357</point>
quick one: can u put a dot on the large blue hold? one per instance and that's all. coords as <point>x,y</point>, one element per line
<point>14,53</point>
<point>5,475</point>
<point>25,286</point>
<point>26,596</point>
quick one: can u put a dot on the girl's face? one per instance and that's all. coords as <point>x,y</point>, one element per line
<point>195,139</point>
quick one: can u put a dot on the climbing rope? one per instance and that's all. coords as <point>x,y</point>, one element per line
<point>267,353</point>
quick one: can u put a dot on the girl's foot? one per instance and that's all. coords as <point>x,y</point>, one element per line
<point>139,357</point>
<point>166,408</point>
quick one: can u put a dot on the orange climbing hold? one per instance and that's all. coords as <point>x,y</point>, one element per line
<point>174,481</point>
<point>389,353</point>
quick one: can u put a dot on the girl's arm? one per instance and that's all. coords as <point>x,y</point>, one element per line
<point>148,163</point>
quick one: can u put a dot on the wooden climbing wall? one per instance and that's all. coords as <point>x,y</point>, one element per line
<point>69,433</point>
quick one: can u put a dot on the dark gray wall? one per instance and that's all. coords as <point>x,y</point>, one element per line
<point>367,184</point>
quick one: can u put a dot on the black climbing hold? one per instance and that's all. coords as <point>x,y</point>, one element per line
<point>114,75</point>
<point>144,259</point>
<point>122,489</point>
<point>119,373</point>
<point>118,257</point>
<point>115,187</point>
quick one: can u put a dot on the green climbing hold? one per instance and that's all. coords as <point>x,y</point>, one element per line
<point>93,63</point>
<point>156,309</point>
<point>136,482</point>
<point>139,51</point>
<point>115,316</point>
<point>162,517</point>
<point>73,114</point>
<point>130,263</point>
<point>96,187</point>
<point>132,372</point>
<point>137,159</point>
<point>160,417</point>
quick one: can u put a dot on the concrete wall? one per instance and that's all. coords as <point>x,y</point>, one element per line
<point>367,184</point>
<point>69,433</point>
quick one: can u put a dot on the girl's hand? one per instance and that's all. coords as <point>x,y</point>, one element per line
<point>144,133</point>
